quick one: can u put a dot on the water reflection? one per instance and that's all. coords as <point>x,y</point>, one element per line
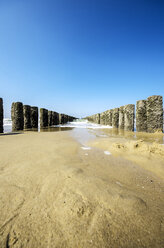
<point>98,131</point>
<point>47,129</point>
<point>55,129</point>
<point>147,137</point>
<point>31,130</point>
<point>83,135</point>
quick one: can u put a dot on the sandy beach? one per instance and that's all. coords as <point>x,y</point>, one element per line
<point>58,192</point>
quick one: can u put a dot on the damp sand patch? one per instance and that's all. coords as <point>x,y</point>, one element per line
<point>148,155</point>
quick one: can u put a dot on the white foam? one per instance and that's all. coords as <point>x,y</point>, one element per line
<point>7,122</point>
<point>86,148</point>
<point>84,124</point>
<point>107,153</point>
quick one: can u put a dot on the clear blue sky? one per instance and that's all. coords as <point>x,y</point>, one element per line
<point>80,56</point>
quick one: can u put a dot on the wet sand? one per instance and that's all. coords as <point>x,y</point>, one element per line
<point>146,150</point>
<point>55,194</point>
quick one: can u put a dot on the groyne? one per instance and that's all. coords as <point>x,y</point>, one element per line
<point>148,116</point>
<point>26,117</point>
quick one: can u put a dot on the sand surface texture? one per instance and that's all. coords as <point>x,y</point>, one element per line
<point>55,194</point>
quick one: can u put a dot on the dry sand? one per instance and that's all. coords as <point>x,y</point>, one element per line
<point>55,194</point>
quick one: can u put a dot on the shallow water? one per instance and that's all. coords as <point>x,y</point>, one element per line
<point>147,137</point>
<point>84,130</point>
<point>55,129</point>
<point>90,132</point>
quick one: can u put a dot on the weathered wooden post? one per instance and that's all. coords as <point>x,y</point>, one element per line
<point>65,118</point>
<point>55,118</point>
<point>141,116</point>
<point>121,117</point>
<point>34,117</point>
<point>129,114</point>
<point>98,118</point>
<point>63,121</point>
<point>115,118</point>
<point>61,118</point>
<point>43,118</point>
<point>17,116</point>
<point>110,116</point>
<point>49,118</point>
<point>103,118</point>
<point>154,111</point>
<point>71,118</point>
<point>107,117</point>
<point>1,115</point>
<point>27,116</point>
<point>93,118</point>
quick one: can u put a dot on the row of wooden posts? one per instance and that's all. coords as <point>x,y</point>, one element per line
<point>26,117</point>
<point>148,116</point>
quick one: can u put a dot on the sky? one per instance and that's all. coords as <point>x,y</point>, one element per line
<point>80,57</point>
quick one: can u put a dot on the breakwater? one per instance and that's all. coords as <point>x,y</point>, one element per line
<point>148,116</point>
<point>26,117</point>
